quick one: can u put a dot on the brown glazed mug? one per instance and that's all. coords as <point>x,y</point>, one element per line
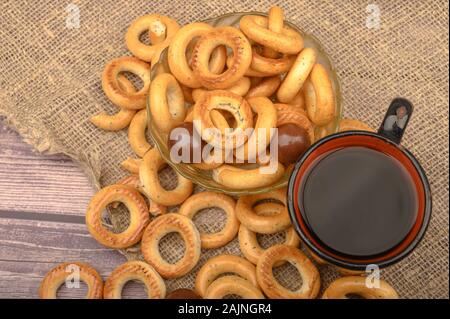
<point>358,198</point>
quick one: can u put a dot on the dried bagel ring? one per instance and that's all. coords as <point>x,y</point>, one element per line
<point>187,93</point>
<point>251,249</point>
<point>240,178</point>
<point>154,209</point>
<point>288,114</point>
<point>241,48</point>
<point>342,287</point>
<point>299,100</point>
<point>178,62</point>
<point>222,100</point>
<point>204,200</point>
<point>241,88</point>
<point>274,290</point>
<point>266,120</point>
<point>157,24</point>
<point>233,285</point>
<point>275,23</point>
<point>137,207</point>
<point>134,270</point>
<point>319,96</point>
<point>258,223</point>
<point>271,65</point>
<point>288,41</point>
<point>267,87</point>
<point>148,174</point>
<point>223,264</point>
<point>351,124</point>
<point>131,165</point>
<point>58,275</point>
<point>115,93</point>
<point>162,226</point>
<point>248,241</point>
<point>136,134</point>
<point>250,72</point>
<point>121,119</point>
<point>297,75</point>
<point>166,102</point>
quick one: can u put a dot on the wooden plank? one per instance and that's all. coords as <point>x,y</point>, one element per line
<point>29,249</point>
<point>24,282</point>
<point>32,182</point>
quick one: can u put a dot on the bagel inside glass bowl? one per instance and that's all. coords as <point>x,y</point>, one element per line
<point>204,177</point>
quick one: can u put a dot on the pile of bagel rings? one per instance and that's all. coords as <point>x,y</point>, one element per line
<point>203,74</point>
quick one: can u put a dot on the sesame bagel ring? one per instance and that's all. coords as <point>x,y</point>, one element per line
<point>232,285</point>
<point>226,36</point>
<point>266,120</point>
<point>319,96</point>
<point>204,200</point>
<point>162,226</point>
<point>275,23</point>
<point>222,100</point>
<point>288,114</point>
<point>271,65</point>
<point>297,75</point>
<point>178,62</point>
<point>255,28</point>
<point>342,287</point>
<point>166,102</point>
<point>157,25</point>
<point>131,165</point>
<point>136,134</point>
<point>351,124</point>
<point>58,275</point>
<point>152,163</point>
<point>267,87</point>
<point>272,288</point>
<point>115,93</point>
<point>223,264</point>
<point>134,270</point>
<point>137,207</point>
<point>248,241</point>
<point>241,178</point>
<point>259,223</point>
<point>121,119</point>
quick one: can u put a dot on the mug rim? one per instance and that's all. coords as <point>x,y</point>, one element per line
<point>343,263</point>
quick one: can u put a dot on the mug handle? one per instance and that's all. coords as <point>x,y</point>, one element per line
<point>395,120</point>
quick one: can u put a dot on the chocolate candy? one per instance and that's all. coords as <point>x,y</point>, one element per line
<point>183,294</point>
<point>186,140</point>
<point>292,142</point>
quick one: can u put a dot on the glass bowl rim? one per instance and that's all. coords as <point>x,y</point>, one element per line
<point>178,167</point>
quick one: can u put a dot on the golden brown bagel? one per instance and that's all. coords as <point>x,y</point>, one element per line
<point>134,270</point>
<point>58,275</point>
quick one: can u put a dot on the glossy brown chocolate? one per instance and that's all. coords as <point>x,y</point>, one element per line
<point>292,142</point>
<point>183,294</point>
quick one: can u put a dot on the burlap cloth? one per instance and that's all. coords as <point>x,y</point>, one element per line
<point>50,86</point>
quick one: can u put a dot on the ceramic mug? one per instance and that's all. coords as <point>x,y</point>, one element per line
<point>377,208</point>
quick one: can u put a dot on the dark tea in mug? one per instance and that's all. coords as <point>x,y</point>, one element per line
<point>359,198</point>
<point>358,201</point>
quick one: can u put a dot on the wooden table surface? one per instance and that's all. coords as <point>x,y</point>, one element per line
<point>42,205</point>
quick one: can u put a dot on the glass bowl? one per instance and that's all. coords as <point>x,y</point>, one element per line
<point>204,178</point>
